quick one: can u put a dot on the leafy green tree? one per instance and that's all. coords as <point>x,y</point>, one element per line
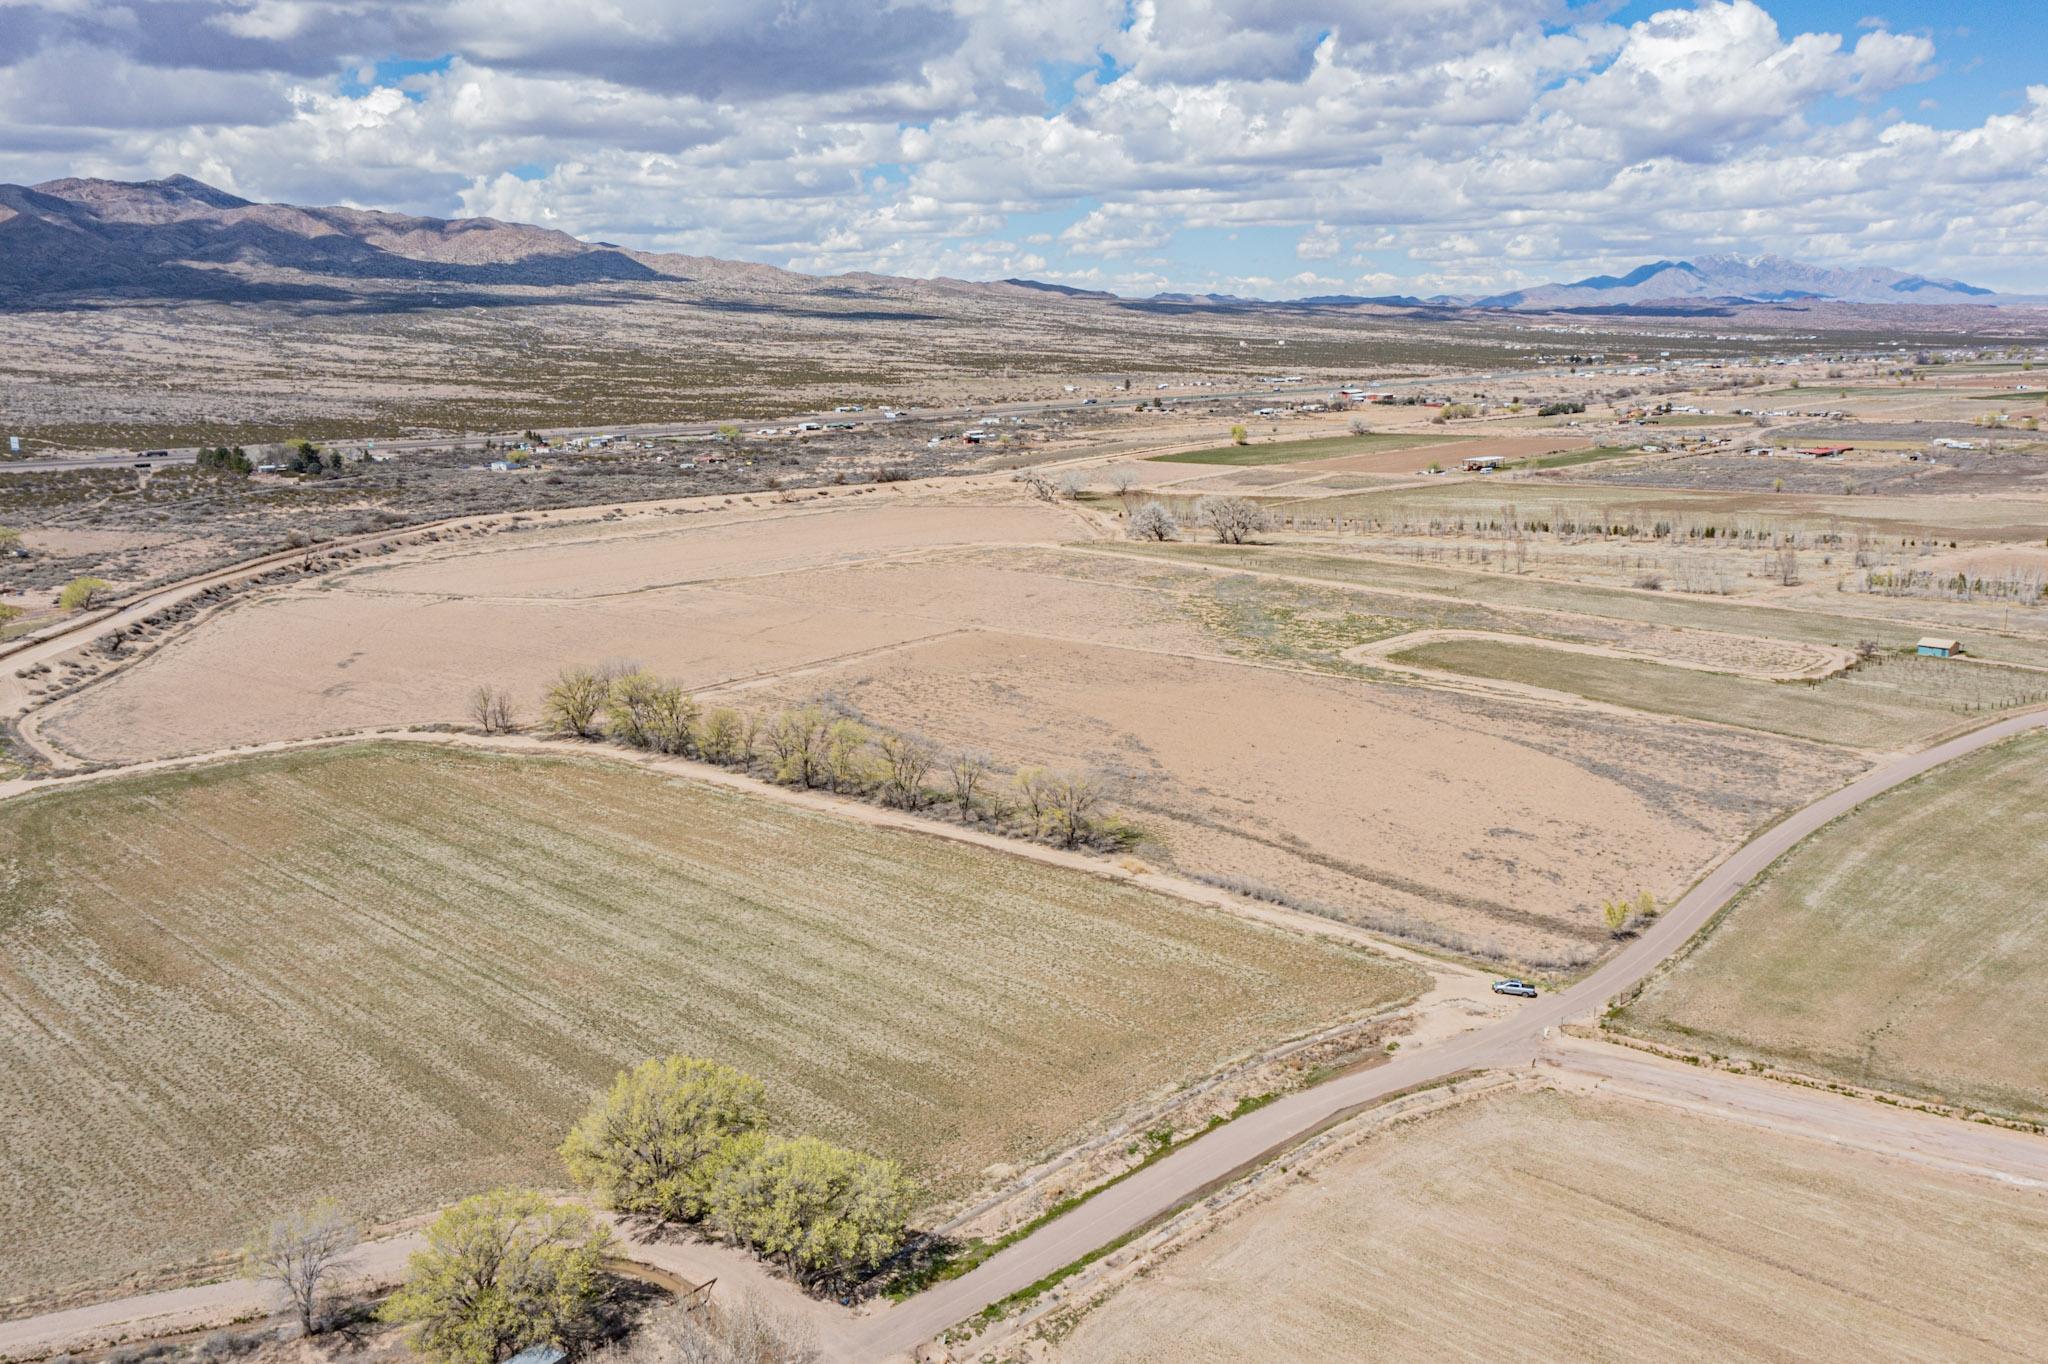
<point>82,594</point>
<point>823,1212</point>
<point>847,766</point>
<point>1240,436</point>
<point>572,703</point>
<point>722,737</point>
<point>502,1271</point>
<point>651,1143</point>
<point>797,742</point>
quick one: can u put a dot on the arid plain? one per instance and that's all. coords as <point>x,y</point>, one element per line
<point>1423,727</point>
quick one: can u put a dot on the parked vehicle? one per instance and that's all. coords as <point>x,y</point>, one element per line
<point>1521,989</point>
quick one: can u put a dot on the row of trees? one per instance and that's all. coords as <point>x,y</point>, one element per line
<point>1232,520</point>
<point>686,1141</point>
<point>225,459</point>
<point>812,747</point>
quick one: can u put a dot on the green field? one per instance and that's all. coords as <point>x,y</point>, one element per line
<point>394,974</point>
<point>1297,451</point>
<point>1884,704</point>
<point>1904,947</point>
<point>1571,457</point>
<point>2015,396</point>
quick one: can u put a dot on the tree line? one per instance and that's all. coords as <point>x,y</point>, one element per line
<point>813,747</point>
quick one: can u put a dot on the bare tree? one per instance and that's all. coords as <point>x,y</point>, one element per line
<point>491,708</point>
<point>969,772</point>
<point>1788,566</point>
<point>1073,803</point>
<point>1041,487</point>
<point>300,1250</point>
<point>906,762</point>
<point>1123,482</point>
<point>1233,519</point>
<point>1034,796</point>
<point>1073,483</point>
<point>1153,522</point>
<point>574,700</point>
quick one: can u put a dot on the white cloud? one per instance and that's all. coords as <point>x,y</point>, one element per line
<point>1497,141</point>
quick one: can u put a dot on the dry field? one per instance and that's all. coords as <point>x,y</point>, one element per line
<point>2004,634</point>
<point>394,975</point>
<point>1490,826</point>
<point>1548,1226</point>
<point>1899,948</point>
<point>1415,809</point>
<point>405,642</point>
<point>1885,704</point>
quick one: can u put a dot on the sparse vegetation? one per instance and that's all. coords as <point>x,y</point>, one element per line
<point>82,594</point>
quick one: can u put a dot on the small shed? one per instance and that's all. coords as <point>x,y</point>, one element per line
<point>1940,648</point>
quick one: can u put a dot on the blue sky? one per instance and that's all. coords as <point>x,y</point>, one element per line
<point>1244,146</point>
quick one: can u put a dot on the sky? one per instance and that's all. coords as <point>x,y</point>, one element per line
<point>1274,148</point>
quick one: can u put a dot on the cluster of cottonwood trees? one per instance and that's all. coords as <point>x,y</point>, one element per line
<point>677,1139</point>
<point>815,747</point>
<point>686,1141</point>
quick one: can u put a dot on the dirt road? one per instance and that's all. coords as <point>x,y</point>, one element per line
<point>1515,1041</point>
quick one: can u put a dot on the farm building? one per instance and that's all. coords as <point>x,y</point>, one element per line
<point>1483,464</point>
<point>1826,451</point>
<point>1939,648</point>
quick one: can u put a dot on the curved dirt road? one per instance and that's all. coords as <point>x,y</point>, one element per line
<point>1512,1042</point>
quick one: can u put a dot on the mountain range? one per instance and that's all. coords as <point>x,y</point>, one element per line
<point>178,238</point>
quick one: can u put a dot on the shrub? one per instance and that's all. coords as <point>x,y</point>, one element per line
<point>82,594</point>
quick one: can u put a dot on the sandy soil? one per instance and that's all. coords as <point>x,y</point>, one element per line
<point>1500,822</point>
<point>1587,1228</point>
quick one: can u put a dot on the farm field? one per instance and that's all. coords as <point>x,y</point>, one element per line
<point>1320,448</point>
<point>1490,826</point>
<point>1899,948</point>
<point>1990,518</point>
<point>1888,702</point>
<point>394,975</point>
<point>1853,617</point>
<point>1588,1228</point>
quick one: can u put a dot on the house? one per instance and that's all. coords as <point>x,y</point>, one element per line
<point>1826,451</point>
<point>1483,464</point>
<point>1939,648</point>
